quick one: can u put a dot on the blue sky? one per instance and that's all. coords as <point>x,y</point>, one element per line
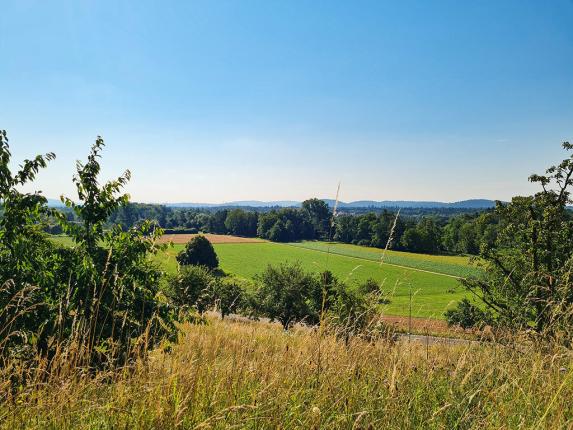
<point>216,101</point>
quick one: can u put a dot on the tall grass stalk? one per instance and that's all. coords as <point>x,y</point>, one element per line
<point>229,374</point>
<point>390,237</point>
<point>324,292</point>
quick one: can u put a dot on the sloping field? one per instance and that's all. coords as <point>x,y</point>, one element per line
<point>432,293</point>
<point>450,265</point>
<point>213,238</point>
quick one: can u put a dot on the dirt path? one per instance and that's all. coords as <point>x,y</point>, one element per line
<point>424,326</point>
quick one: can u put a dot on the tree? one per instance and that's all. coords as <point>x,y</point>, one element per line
<point>285,225</point>
<point>526,282</point>
<point>228,296</point>
<point>100,295</point>
<point>381,229</point>
<point>319,215</point>
<point>192,288</point>
<point>285,294</point>
<point>278,232</point>
<point>199,252</point>
<point>111,283</point>
<point>241,223</point>
<point>216,223</point>
<point>345,228</point>
<point>462,235</point>
<point>364,229</point>
<point>423,237</point>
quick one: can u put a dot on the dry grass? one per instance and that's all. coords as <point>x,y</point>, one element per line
<point>253,375</point>
<point>213,238</point>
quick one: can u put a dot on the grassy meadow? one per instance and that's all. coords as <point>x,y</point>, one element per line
<point>454,265</point>
<point>432,293</point>
<point>250,375</point>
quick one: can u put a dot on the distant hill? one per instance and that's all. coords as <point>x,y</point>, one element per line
<point>390,204</point>
<point>464,204</point>
<point>241,203</point>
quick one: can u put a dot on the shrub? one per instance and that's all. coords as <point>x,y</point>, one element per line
<point>349,311</point>
<point>110,284</point>
<point>325,291</point>
<point>228,295</point>
<point>467,315</point>
<point>192,289</point>
<point>24,254</point>
<point>101,296</point>
<point>198,252</point>
<point>371,288</point>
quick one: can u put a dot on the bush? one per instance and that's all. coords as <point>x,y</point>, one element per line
<point>349,312</point>
<point>325,291</point>
<point>198,252</point>
<point>467,315</point>
<point>228,295</point>
<point>192,289</point>
<point>371,288</point>
<point>101,296</point>
<point>526,283</point>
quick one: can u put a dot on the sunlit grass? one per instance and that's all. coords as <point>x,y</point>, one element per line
<point>254,375</point>
<point>432,293</point>
<point>447,264</point>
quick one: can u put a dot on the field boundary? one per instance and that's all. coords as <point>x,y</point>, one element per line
<point>374,261</point>
<point>183,238</point>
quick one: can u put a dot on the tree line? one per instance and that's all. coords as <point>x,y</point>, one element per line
<point>462,233</point>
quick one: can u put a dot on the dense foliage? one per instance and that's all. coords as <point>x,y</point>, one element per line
<point>101,296</point>
<point>527,282</point>
<point>191,288</point>
<point>200,252</point>
<point>447,232</point>
<point>289,295</point>
<point>285,294</point>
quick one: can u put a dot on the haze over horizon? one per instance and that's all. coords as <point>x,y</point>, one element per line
<point>228,101</point>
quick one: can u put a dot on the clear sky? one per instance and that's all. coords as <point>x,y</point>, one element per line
<point>272,100</point>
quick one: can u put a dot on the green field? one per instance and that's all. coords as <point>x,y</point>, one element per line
<point>432,293</point>
<point>449,265</point>
<point>62,240</point>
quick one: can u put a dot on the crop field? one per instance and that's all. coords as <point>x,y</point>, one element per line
<point>449,265</point>
<point>432,293</point>
<point>431,280</point>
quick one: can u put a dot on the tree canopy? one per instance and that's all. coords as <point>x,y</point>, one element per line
<point>528,265</point>
<point>199,252</point>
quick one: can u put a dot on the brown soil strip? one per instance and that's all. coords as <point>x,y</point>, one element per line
<point>213,238</point>
<point>423,325</point>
